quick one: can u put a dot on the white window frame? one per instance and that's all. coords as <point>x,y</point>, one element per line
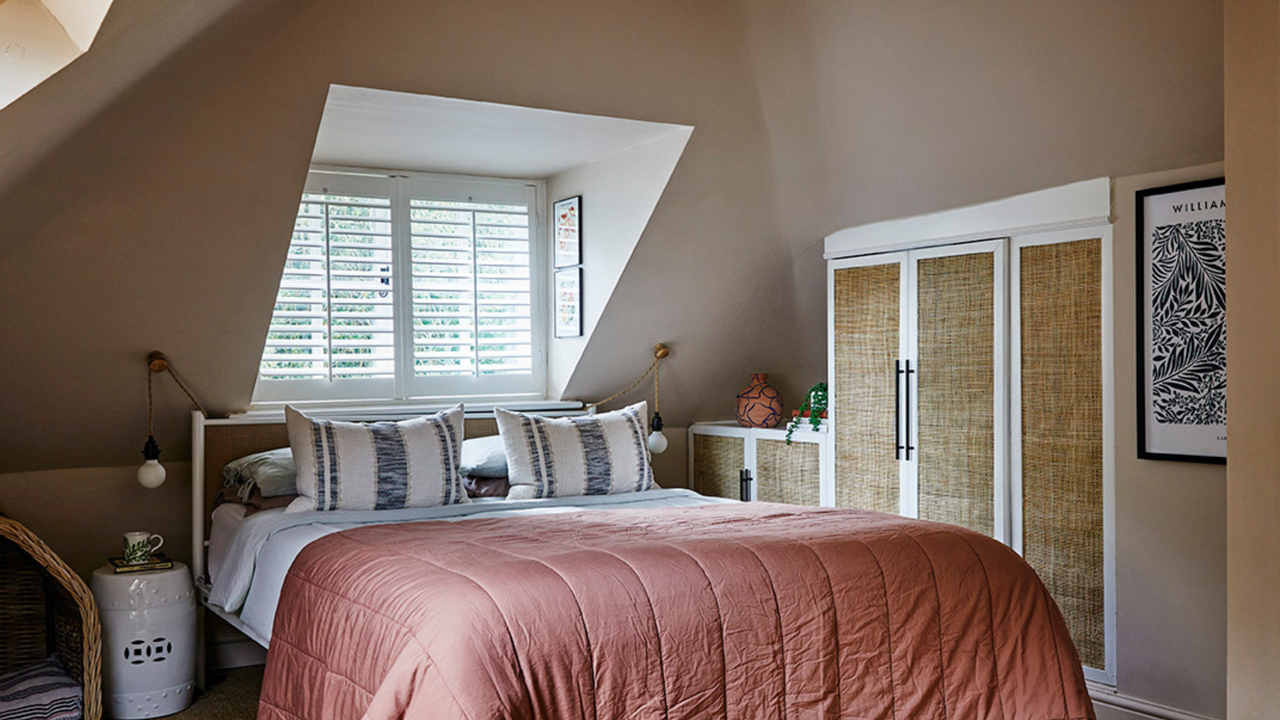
<point>402,187</point>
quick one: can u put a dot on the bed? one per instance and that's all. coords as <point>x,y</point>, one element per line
<point>655,604</point>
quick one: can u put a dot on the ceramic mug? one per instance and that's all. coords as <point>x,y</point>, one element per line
<point>138,547</point>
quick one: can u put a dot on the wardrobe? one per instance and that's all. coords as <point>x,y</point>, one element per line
<point>969,359</point>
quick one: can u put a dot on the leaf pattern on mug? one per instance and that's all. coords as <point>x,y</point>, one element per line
<point>1188,323</point>
<point>138,552</point>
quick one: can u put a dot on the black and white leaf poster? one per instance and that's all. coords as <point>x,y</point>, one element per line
<point>1182,277</point>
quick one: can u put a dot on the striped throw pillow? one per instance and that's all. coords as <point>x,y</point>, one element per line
<point>42,691</point>
<point>378,466</point>
<point>601,454</point>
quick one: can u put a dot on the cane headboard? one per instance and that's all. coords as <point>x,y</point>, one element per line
<point>217,442</point>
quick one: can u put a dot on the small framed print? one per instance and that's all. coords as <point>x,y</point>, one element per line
<point>568,294</point>
<point>568,231</point>
<point>1182,311</point>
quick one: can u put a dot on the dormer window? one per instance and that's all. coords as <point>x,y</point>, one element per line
<point>405,285</point>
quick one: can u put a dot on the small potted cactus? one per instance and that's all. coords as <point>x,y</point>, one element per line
<point>813,410</point>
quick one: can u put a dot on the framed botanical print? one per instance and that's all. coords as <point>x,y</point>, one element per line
<point>1182,311</point>
<point>568,231</point>
<point>568,302</point>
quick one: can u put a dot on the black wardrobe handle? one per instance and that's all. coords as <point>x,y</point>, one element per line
<point>910,447</point>
<point>744,485</point>
<point>897,409</point>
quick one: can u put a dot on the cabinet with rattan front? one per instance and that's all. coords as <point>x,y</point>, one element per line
<point>728,460</point>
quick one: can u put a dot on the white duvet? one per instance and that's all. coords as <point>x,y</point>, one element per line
<point>266,543</point>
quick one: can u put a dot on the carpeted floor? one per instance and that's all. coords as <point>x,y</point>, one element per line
<point>232,695</point>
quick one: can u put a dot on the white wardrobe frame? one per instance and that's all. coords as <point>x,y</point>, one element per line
<point>1079,211</point>
<point>908,347</point>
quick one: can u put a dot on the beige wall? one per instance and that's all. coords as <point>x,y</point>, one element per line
<point>169,212</point>
<point>1171,555</point>
<point>82,513</point>
<point>671,468</point>
<point>619,193</point>
<point>134,40</point>
<point>162,220</point>
<point>177,246</point>
<point>878,110</point>
<point>1253,345</point>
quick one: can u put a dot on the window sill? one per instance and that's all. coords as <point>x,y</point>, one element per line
<point>400,409</point>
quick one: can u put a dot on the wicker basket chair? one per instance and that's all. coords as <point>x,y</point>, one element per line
<point>46,609</point>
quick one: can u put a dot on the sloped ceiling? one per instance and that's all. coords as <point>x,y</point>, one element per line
<point>147,191</point>
<point>164,222</point>
<point>136,38</point>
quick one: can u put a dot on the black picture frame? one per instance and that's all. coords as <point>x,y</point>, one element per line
<point>573,329</point>
<point>1143,264</point>
<point>570,206</point>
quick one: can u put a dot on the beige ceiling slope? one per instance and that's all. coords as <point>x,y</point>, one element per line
<point>185,191</point>
<point>57,128</point>
<point>40,37</point>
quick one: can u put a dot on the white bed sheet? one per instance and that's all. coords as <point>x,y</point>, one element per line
<point>227,518</point>
<point>254,564</point>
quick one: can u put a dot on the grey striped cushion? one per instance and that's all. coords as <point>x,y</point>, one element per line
<point>378,466</point>
<point>42,691</point>
<point>594,455</point>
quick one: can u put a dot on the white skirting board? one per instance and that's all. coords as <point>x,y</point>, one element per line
<point>1111,705</point>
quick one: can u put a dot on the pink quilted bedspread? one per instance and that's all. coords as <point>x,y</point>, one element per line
<point>750,611</point>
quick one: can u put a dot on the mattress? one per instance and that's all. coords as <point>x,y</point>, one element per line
<point>254,553</point>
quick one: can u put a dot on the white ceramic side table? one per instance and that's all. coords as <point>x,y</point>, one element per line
<point>148,641</point>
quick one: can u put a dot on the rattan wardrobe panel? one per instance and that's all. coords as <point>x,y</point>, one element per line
<point>788,473</point>
<point>1062,490</point>
<point>956,384</point>
<point>866,326</point>
<point>717,462</point>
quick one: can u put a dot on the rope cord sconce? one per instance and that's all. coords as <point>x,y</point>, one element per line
<point>151,474</point>
<point>657,441</point>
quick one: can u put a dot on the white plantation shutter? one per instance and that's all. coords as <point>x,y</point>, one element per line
<point>461,253</point>
<point>472,293</point>
<point>473,316</point>
<point>297,342</point>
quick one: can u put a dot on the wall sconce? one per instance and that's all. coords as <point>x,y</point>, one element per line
<point>151,474</point>
<point>657,441</point>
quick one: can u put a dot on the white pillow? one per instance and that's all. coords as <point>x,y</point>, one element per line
<point>484,457</point>
<point>601,454</point>
<point>378,466</point>
<point>272,472</point>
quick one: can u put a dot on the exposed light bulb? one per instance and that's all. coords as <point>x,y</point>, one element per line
<point>151,474</point>
<point>657,441</point>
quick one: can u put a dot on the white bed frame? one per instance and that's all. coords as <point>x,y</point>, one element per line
<point>246,654</point>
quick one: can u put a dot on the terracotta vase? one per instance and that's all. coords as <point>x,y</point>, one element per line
<point>759,405</point>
